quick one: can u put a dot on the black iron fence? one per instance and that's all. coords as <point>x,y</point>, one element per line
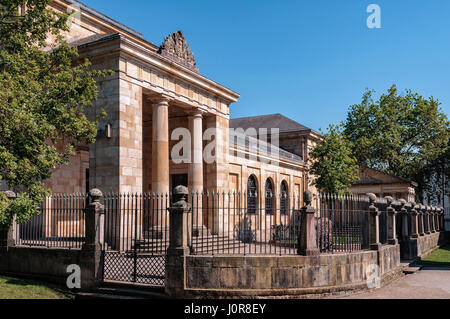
<point>59,223</point>
<point>244,223</point>
<point>342,223</point>
<point>136,229</point>
<point>137,225</point>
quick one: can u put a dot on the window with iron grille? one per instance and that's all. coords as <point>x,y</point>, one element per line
<point>251,195</point>
<point>269,197</point>
<point>284,198</point>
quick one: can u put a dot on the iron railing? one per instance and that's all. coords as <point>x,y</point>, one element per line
<point>137,225</point>
<point>222,223</point>
<point>59,223</point>
<point>342,223</point>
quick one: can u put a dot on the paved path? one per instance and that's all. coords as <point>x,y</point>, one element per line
<point>429,283</point>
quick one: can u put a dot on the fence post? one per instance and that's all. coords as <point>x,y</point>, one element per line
<point>422,220</point>
<point>175,281</point>
<point>441,220</point>
<point>433,217</point>
<point>391,223</point>
<point>414,220</point>
<point>308,236</point>
<point>427,220</point>
<point>92,251</point>
<point>8,235</point>
<point>374,224</point>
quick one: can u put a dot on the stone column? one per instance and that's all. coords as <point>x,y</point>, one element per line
<point>433,219</point>
<point>92,251</point>
<point>404,217</point>
<point>427,220</point>
<point>307,245</point>
<point>8,235</point>
<point>391,222</point>
<point>195,179</point>
<point>438,219</point>
<point>422,220</point>
<point>175,283</point>
<point>441,219</point>
<point>160,146</point>
<point>414,221</point>
<point>374,224</point>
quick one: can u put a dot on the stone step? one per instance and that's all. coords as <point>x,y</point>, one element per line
<point>411,270</point>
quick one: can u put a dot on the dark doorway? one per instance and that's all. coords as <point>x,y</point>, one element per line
<point>179,179</point>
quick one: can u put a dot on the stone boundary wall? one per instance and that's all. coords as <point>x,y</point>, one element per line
<point>45,264</point>
<point>247,276</point>
<point>426,244</point>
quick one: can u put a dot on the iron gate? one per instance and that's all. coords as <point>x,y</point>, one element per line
<point>136,238</point>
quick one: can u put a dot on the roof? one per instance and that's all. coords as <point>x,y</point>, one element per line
<point>92,39</point>
<point>370,176</point>
<point>283,123</point>
<point>104,17</point>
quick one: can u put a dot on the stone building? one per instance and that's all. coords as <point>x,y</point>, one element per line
<point>382,184</point>
<point>155,92</point>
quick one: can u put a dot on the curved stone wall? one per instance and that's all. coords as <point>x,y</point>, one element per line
<point>244,276</point>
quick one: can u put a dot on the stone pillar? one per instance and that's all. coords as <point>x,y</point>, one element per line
<point>422,220</point>
<point>427,220</point>
<point>404,217</point>
<point>175,283</point>
<point>441,219</point>
<point>196,167</point>
<point>8,234</point>
<point>160,146</point>
<point>438,219</point>
<point>391,222</point>
<point>374,224</point>
<point>307,245</point>
<point>414,221</point>
<point>92,251</point>
<point>433,219</point>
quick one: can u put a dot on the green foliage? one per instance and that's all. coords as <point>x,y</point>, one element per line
<point>333,163</point>
<point>44,96</point>
<point>403,135</point>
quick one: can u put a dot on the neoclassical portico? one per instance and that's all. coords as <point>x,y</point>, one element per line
<point>161,134</point>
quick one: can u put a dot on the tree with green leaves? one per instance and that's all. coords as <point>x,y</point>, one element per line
<point>405,135</point>
<point>332,163</point>
<point>44,96</point>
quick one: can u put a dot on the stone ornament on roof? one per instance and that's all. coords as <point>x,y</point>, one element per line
<point>176,49</point>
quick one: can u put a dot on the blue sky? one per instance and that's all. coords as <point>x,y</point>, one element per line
<point>308,60</point>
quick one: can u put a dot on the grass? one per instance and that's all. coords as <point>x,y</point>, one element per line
<point>439,258</point>
<point>14,288</point>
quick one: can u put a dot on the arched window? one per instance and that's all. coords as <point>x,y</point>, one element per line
<point>284,200</point>
<point>269,197</point>
<point>252,193</point>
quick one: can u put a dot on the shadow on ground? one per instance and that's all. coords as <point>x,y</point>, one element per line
<point>439,260</point>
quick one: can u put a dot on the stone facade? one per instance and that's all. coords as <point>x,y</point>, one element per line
<point>154,92</point>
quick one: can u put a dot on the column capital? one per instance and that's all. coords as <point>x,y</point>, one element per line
<point>160,99</point>
<point>196,113</point>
